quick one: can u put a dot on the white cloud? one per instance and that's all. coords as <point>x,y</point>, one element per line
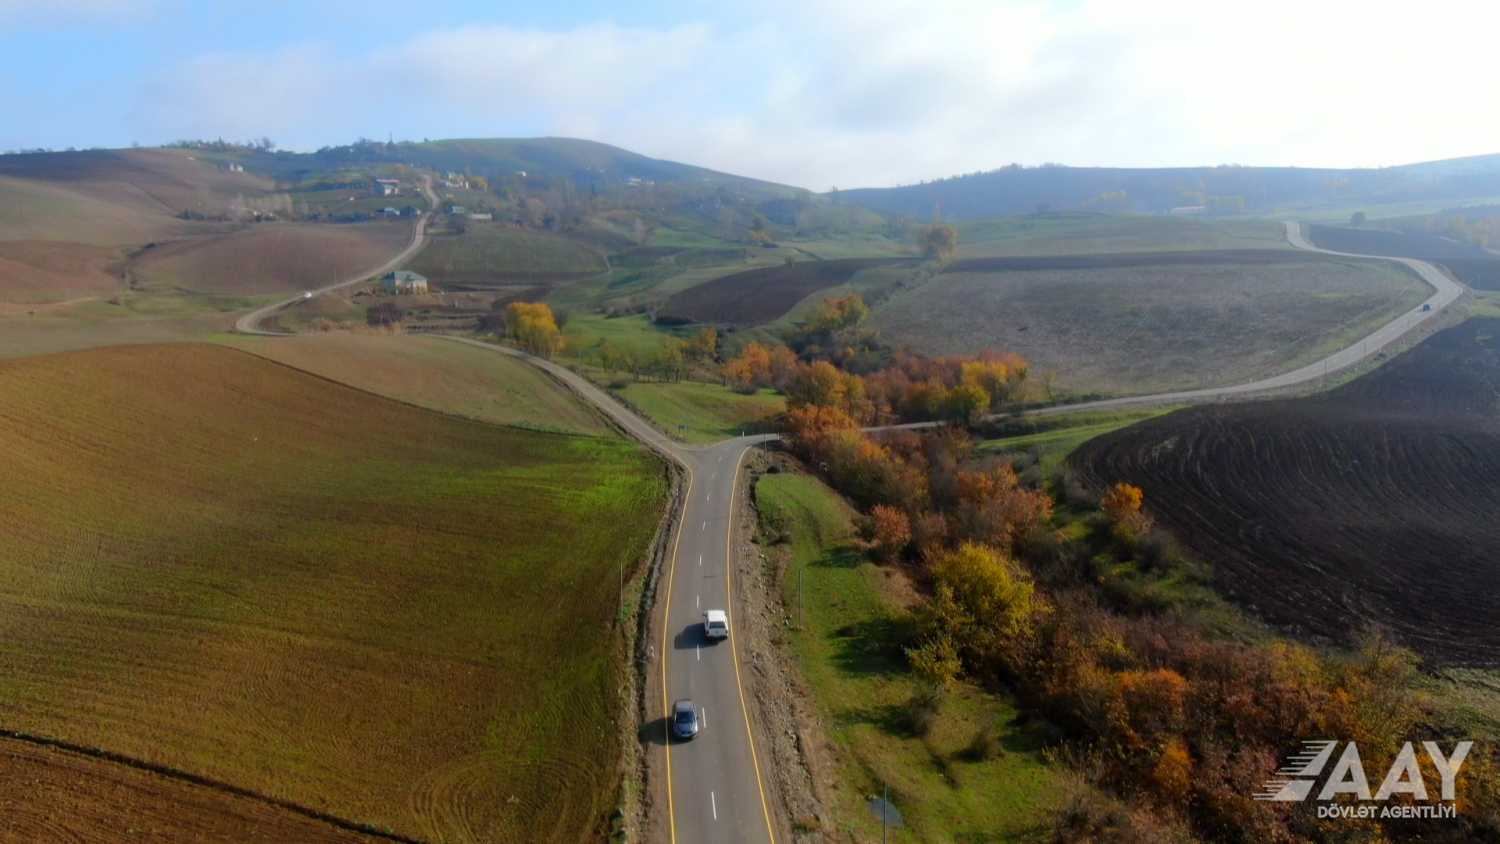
<point>823,92</point>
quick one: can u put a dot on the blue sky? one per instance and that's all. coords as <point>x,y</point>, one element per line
<point>816,93</point>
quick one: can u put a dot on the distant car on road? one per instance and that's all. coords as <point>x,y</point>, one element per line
<point>716,624</point>
<point>1426,306</point>
<point>307,294</point>
<point>685,722</point>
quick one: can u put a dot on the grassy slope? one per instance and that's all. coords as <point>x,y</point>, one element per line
<point>861,683</point>
<point>1053,438</point>
<point>491,253</point>
<point>32,210</point>
<point>275,258</point>
<point>1129,330</point>
<point>225,565</point>
<point>436,373</point>
<point>1073,234</point>
<point>696,412</point>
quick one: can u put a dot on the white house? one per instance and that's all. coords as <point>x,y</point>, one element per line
<point>403,281</point>
<point>387,187</point>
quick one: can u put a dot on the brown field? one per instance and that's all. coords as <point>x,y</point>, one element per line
<point>756,296</point>
<point>435,373</point>
<point>31,210</point>
<point>271,258</point>
<point>166,181</point>
<point>55,795</point>
<point>36,271</point>
<point>1154,321</point>
<point>493,255</point>
<point>231,568</point>
<point>1372,504</point>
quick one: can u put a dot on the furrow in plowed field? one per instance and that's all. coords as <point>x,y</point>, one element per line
<point>232,568</point>
<point>1372,504</point>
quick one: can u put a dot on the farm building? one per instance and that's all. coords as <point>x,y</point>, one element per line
<point>403,281</point>
<point>391,212</point>
<point>387,187</point>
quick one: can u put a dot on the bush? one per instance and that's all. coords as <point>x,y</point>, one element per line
<point>985,744</point>
<point>923,709</point>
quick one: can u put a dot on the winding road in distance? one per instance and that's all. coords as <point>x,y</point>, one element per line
<point>1445,292</point>
<point>250,323</point>
<point>714,785</point>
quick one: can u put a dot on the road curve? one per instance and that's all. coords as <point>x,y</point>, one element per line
<point>250,323</point>
<point>1445,292</point>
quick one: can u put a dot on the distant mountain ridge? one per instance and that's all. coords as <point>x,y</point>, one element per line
<point>1226,189</point>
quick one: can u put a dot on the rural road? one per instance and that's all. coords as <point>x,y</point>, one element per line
<point>714,788</point>
<point>250,323</point>
<point>1445,292</point>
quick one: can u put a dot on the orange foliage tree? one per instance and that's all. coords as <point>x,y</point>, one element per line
<point>534,328</point>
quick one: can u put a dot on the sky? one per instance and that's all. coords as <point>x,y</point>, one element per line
<point>816,93</point>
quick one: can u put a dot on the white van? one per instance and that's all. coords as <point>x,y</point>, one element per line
<point>715,624</point>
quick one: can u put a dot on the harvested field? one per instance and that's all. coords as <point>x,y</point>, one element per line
<point>1076,233</point>
<point>56,795</point>
<point>1371,504</point>
<point>1152,322</point>
<point>36,271</point>
<point>761,295</point>
<point>271,258</point>
<point>41,211</point>
<point>1470,264</point>
<point>228,567</point>
<point>435,373</point>
<point>491,255</point>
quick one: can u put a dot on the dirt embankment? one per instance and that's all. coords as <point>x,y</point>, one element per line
<point>796,756</point>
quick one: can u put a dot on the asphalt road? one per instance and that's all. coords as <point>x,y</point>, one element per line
<point>250,323</point>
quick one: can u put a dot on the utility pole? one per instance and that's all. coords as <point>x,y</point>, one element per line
<point>885,813</point>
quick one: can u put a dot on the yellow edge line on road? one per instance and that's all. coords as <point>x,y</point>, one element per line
<point>733,652</point>
<point>666,617</point>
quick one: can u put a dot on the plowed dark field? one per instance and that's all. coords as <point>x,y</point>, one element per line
<point>1376,502</point>
<point>756,296</point>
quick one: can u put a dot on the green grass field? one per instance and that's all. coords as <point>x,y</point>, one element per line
<point>234,568</point>
<point>695,412</point>
<point>435,373</point>
<point>848,654</point>
<point>492,254</point>
<point>1052,438</point>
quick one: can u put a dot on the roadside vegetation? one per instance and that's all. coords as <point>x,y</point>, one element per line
<point>976,771</point>
<point>350,590</point>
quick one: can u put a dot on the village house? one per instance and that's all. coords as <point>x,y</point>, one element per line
<point>387,187</point>
<point>403,281</point>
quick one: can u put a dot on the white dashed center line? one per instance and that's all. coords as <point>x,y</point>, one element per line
<point>713,804</point>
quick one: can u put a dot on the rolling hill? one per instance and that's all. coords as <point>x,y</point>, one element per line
<point>1233,189</point>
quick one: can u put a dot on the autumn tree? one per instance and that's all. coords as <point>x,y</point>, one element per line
<point>1122,506</point>
<point>939,242</point>
<point>750,370</point>
<point>890,531</point>
<point>984,604</point>
<point>704,345</point>
<point>534,328</point>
